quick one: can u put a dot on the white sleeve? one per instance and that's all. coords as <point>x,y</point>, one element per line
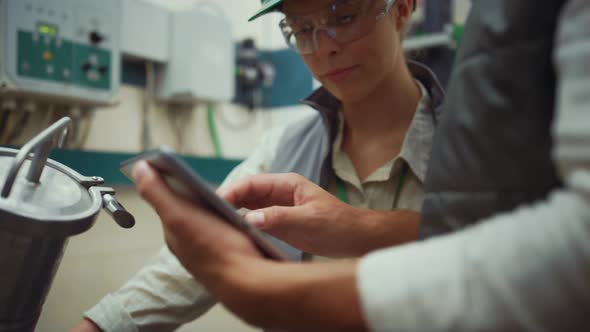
<point>163,296</point>
<point>527,270</point>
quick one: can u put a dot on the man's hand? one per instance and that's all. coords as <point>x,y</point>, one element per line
<point>188,226</point>
<point>86,326</point>
<point>293,296</point>
<point>297,211</point>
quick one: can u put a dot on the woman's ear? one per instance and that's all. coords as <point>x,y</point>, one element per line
<point>403,13</point>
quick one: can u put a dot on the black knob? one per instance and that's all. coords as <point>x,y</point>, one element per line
<point>117,211</point>
<point>96,37</point>
<point>86,66</point>
<point>103,69</point>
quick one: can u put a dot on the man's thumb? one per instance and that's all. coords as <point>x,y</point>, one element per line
<point>272,218</point>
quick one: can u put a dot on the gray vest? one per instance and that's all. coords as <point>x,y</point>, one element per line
<point>306,146</point>
<point>492,151</point>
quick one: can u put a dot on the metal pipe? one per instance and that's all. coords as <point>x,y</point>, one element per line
<point>41,145</point>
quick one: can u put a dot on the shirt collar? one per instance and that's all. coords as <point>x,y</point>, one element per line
<point>414,152</point>
<point>417,144</point>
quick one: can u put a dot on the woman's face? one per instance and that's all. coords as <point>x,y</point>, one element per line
<point>352,71</point>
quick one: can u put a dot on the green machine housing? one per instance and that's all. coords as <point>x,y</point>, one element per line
<point>64,50</point>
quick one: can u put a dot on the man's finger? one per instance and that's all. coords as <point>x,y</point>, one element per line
<point>174,211</point>
<point>275,219</point>
<point>285,223</point>
<point>260,191</point>
<point>156,192</point>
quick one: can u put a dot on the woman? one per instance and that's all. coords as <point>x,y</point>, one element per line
<point>368,144</point>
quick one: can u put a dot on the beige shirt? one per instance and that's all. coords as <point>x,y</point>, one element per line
<point>378,190</point>
<point>164,295</point>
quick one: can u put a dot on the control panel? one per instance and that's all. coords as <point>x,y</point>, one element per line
<point>60,49</point>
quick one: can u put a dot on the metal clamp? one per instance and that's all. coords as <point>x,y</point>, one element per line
<point>40,146</point>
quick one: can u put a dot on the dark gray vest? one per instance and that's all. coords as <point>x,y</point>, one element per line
<point>492,150</point>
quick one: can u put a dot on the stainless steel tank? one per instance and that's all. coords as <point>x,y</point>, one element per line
<point>42,204</point>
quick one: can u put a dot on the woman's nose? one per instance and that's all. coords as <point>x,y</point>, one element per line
<point>325,42</point>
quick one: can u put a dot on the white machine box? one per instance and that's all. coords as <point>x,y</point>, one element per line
<point>201,57</point>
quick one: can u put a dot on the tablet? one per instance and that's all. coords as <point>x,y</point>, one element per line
<point>185,182</point>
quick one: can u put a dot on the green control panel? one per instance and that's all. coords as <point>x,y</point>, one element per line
<point>43,55</point>
<point>67,51</point>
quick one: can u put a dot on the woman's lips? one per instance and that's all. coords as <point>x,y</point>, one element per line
<point>340,74</point>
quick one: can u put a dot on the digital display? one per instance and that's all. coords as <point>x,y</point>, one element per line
<point>47,29</point>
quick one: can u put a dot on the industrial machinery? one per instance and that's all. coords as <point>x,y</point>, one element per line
<point>42,203</point>
<point>66,50</point>
<point>252,75</point>
<point>202,56</point>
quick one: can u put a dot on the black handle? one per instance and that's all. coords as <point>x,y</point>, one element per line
<point>117,211</point>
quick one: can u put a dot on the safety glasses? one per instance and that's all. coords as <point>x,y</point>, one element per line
<point>344,21</point>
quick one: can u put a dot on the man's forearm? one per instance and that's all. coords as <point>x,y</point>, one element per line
<point>393,228</point>
<point>382,229</point>
<point>306,297</point>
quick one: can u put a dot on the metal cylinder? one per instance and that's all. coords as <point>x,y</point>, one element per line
<point>38,213</point>
<point>28,268</point>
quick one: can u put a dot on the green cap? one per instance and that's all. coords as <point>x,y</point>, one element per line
<point>267,7</point>
<point>271,5</point>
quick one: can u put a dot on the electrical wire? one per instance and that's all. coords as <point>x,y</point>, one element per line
<point>213,131</point>
<point>178,117</point>
<point>223,119</point>
<point>183,118</point>
<point>60,112</point>
<point>84,123</point>
<point>4,116</point>
<point>171,112</point>
<point>148,97</point>
<point>18,128</point>
<point>8,106</point>
<point>49,114</point>
<point>76,115</point>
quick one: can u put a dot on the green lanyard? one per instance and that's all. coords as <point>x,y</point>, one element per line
<point>341,186</point>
